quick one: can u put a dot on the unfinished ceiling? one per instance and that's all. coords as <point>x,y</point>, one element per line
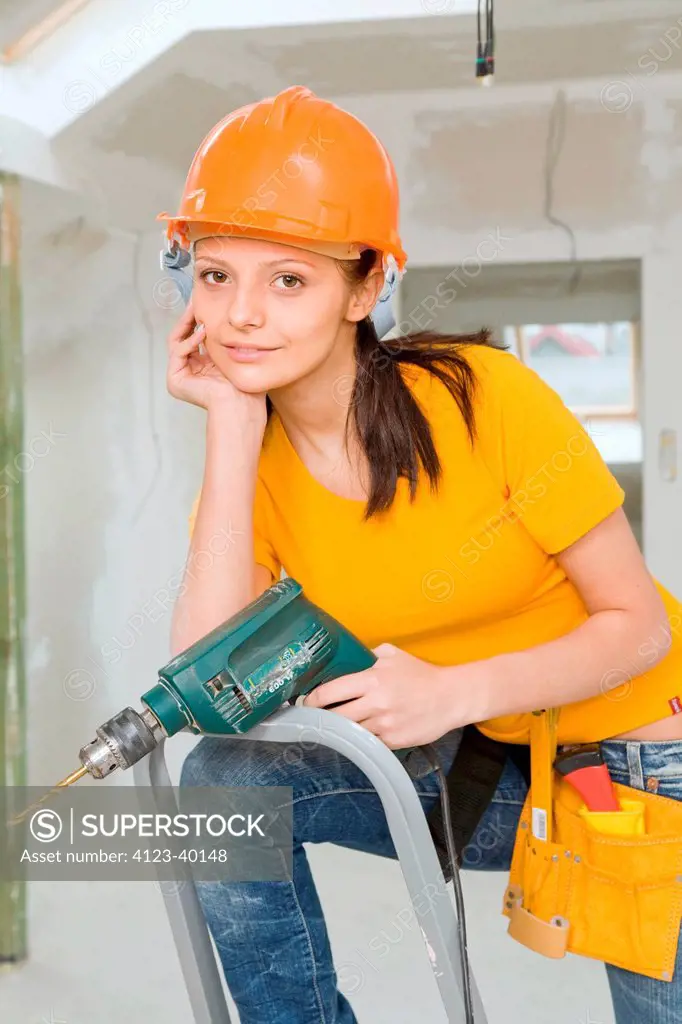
<point>209,74</point>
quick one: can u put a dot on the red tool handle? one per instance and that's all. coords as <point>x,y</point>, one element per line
<point>587,773</point>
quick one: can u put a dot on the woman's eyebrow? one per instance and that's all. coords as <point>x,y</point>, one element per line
<point>216,261</point>
<point>288,259</point>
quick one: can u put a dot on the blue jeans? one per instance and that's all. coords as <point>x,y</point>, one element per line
<point>271,936</point>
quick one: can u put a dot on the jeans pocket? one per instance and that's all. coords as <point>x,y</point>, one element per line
<point>662,768</point>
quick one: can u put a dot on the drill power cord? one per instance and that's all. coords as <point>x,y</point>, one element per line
<point>453,863</point>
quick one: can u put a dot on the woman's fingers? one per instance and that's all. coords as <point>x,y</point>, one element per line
<point>199,366</point>
<point>343,688</point>
<point>183,348</point>
<point>182,351</point>
<point>359,710</point>
<point>184,326</point>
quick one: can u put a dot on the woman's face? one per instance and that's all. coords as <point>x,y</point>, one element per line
<point>274,313</point>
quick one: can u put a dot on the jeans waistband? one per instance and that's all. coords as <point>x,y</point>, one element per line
<point>641,758</point>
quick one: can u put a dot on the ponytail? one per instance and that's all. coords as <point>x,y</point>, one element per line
<point>392,429</point>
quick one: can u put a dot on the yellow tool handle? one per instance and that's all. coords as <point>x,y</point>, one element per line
<point>543,745</point>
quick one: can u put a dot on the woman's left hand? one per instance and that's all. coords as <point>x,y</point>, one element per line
<point>401,699</point>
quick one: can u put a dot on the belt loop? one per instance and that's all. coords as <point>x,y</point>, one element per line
<point>633,749</point>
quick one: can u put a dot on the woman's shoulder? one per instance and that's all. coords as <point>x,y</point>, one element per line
<point>489,359</point>
<point>486,369</point>
<point>483,357</point>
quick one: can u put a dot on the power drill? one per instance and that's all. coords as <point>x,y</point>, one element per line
<point>274,650</point>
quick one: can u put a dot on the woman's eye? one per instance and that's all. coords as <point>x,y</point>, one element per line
<point>207,275</point>
<point>289,280</point>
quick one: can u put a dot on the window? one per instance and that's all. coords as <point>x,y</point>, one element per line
<point>592,366</point>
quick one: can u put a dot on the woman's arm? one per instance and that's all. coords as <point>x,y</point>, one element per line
<point>627,632</point>
<point>221,575</point>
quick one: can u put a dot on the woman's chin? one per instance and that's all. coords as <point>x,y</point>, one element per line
<point>257,375</point>
<point>252,379</point>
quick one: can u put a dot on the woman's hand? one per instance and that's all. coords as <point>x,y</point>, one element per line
<point>401,699</point>
<point>193,377</point>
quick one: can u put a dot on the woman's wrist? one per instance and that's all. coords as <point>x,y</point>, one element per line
<point>468,693</point>
<point>231,422</point>
<point>229,434</point>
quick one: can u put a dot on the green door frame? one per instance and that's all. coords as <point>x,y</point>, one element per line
<point>13,924</point>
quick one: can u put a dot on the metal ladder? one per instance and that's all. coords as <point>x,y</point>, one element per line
<point>410,833</point>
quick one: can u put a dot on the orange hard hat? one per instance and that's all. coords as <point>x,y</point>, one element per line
<point>293,168</point>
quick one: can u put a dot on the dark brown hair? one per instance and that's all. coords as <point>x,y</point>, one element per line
<point>391,428</point>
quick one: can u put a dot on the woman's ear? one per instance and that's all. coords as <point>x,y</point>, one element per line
<point>365,295</point>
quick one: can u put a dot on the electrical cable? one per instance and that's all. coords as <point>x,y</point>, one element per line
<point>489,21</point>
<point>485,51</point>
<point>453,864</point>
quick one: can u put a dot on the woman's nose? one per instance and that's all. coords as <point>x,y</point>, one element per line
<point>246,310</point>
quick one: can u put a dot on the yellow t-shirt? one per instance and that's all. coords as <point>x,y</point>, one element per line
<point>466,572</point>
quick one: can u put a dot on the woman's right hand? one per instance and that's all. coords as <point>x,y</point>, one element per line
<point>193,376</point>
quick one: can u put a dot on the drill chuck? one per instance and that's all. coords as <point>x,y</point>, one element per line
<point>121,742</point>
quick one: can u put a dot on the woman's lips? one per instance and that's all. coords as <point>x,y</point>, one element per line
<point>244,354</point>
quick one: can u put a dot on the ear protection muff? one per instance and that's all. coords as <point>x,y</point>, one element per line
<point>175,260</point>
<point>383,315</point>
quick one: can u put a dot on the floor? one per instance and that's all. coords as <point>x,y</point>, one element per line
<point>122,964</point>
<point>103,952</point>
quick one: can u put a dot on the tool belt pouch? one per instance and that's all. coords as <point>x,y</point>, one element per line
<point>605,885</point>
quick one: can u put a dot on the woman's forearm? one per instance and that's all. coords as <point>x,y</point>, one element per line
<point>219,574</point>
<point>601,655</point>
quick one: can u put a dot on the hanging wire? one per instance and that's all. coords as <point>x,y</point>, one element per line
<point>485,49</point>
<point>490,28</point>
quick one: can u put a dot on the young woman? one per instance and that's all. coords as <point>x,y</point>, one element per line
<point>432,493</point>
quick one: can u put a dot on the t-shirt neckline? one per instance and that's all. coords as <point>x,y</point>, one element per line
<point>305,474</point>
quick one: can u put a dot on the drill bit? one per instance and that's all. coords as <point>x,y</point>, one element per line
<point>68,781</point>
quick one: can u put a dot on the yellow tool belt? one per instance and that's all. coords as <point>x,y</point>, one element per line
<point>606,885</point>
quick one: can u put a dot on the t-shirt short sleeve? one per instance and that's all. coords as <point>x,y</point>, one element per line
<point>263,550</point>
<point>555,479</point>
